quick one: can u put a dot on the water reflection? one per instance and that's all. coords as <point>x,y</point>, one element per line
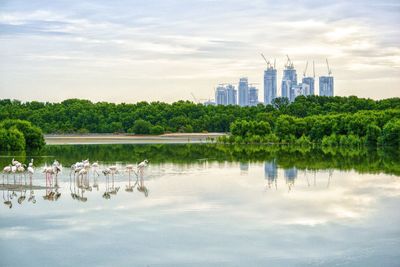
<point>204,207</point>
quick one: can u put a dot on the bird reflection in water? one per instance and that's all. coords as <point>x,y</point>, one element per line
<point>110,190</point>
<point>7,201</point>
<point>129,169</point>
<point>52,194</point>
<point>141,187</point>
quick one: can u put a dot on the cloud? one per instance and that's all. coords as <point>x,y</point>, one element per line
<point>206,42</point>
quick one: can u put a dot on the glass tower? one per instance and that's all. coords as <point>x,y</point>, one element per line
<point>243,92</point>
<point>288,81</point>
<point>221,96</point>
<point>269,85</point>
<point>326,86</point>
<point>253,96</point>
<point>231,94</point>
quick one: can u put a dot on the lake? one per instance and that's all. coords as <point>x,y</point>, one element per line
<point>206,205</point>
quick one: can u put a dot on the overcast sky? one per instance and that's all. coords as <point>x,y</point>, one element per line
<point>129,51</point>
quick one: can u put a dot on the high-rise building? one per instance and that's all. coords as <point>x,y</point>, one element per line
<point>243,92</point>
<point>253,96</point>
<point>310,81</point>
<point>289,80</point>
<point>269,85</point>
<point>300,89</point>
<point>326,86</point>
<point>221,97</point>
<point>231,93</point>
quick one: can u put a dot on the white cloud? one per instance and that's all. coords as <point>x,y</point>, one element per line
<point>195,44</point>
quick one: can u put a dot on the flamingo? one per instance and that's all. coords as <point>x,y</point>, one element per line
<point>142,188</point>
<point>21,171</point>
<point>14,170</point>
<point>31,171</point>
<point>57,167</point>
<point>15,162</point>
<point>49,171</point>
<point>81,173</point>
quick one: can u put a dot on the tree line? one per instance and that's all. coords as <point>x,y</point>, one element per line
<point>371,127</point>
<point>84,116</point>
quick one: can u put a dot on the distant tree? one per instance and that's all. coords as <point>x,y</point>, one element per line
<point>141,127</point>
<point>157,130</point>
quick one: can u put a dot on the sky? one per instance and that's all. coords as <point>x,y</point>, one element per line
<point>130,51</point>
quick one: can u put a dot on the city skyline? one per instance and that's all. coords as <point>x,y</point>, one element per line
<point>135,51</point>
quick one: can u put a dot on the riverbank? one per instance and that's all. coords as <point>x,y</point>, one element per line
<point>173,138</point>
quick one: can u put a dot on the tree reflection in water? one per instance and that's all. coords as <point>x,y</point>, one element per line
<point>117,160</point>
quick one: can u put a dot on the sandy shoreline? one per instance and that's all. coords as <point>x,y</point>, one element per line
<point>175,138</point>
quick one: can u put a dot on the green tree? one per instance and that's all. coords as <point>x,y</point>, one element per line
<point>391,134</point>
<point>141,127</point>
<point>157,130</point>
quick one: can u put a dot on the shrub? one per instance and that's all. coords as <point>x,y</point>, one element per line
<point>32,135</point>
<point>157,130</point>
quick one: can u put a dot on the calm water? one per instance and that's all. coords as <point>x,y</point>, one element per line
<point>210,206</point>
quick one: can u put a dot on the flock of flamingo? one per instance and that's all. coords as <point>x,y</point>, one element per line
<point>80,172</point>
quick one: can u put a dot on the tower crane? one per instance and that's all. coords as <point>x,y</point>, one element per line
<point>329,70</point>
<point>313,68</point>
<point>289,63</point>
<point>305,70</point>
<point>266,61</point>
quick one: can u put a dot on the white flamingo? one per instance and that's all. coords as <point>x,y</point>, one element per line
<point>21,171</point>
<point>15,162</point>
<point>13,170</point>
<point>57,168</point>
<point>31,171</point>
<point>48,171</point>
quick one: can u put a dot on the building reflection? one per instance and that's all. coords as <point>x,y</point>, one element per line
<point>244,167</point>
<point>271,172</point>
<point>290,176</point>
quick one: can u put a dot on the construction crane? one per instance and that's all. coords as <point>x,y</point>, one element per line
<point>269,65</point>
<point>329,70</point>
<point>196,100</point>
<point>313,68</point>
<point>289,63</point>
<point>305,70</point>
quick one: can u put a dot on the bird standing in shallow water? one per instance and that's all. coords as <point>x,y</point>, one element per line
<point>31,171</point>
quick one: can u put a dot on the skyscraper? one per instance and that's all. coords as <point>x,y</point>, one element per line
<point>326,86</point>
<point>231,95</point>
<point>310,81</point>
<point>269,85</point>
<point>289,80</point>
<point>300,89</point>
<point>253,96</point>
<point>221,96</point>
<point>243,92</point>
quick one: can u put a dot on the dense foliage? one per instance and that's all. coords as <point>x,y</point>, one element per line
<point>16,135</point>
<point>346,129</point>
<point>83,116</point>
